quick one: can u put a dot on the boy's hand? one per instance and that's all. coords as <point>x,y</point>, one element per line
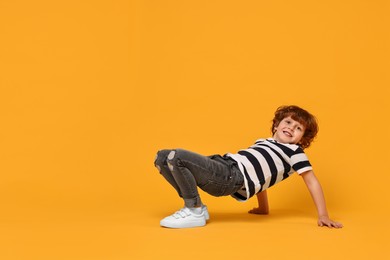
<point>258,211</point>
<point>325,221</point>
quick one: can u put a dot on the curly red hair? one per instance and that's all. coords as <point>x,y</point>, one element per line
<point>300,115</point>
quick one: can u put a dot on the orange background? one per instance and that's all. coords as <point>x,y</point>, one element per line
<point>90,90</point>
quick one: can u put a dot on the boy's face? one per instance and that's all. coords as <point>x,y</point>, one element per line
<point>289,131</point>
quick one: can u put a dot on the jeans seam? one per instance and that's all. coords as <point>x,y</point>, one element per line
<point>197,197</point>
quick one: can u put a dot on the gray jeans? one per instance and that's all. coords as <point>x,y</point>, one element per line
<point>185,171</point>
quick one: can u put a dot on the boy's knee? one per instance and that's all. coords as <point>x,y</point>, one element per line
<point>170,157</point>
<point>171,154</point>
<point>160,158</point>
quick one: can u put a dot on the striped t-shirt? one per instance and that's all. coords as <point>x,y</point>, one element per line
<point>266,163</point>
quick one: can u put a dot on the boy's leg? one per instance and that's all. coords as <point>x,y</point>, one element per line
<point>191,170</point>
<point>162,166</point>
<point>187,216</point>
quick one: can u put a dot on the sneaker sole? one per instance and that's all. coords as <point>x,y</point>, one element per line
<point>183,225</point>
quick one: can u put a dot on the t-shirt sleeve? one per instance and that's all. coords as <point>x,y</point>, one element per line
<point>300,163</point>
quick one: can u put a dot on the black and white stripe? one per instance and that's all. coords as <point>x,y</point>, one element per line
<point>266,163</point>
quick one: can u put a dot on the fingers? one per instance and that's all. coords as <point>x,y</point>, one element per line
<point>330,224</point>
<point>338,225</point>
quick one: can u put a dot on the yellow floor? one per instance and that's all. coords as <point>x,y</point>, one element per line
<point>231,233</point>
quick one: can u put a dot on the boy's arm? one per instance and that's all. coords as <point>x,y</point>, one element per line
<point>317,194</point>
<point>262,200</point>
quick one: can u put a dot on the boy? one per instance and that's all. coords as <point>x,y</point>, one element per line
<point>250,171</point>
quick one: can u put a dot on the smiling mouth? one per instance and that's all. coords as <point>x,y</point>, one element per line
<point>287,133</point>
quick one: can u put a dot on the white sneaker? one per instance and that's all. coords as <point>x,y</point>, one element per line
<point>205,212</point>
<point>184,218</point>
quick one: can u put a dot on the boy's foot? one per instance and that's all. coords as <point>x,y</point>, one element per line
<point>185,218</point>
<point>206,212</point>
